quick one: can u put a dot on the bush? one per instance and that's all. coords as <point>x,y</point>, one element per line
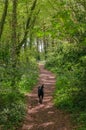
<point>12,110</point>
<point>68,62</point>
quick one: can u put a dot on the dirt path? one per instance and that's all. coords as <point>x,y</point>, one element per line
<point>44,116</point>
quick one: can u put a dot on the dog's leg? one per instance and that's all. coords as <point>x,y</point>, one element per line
<point>40,100</point>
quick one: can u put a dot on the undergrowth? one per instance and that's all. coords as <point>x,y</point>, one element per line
<point>12,96</point>
<point>69,64</point>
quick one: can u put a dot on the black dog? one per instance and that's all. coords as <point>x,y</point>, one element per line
<point>41,93</point>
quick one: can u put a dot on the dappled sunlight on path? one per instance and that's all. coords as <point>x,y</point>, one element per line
<point>44,116</point>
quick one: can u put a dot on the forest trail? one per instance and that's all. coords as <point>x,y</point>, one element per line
<point>44,116</point>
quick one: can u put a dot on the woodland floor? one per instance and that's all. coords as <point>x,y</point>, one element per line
<point>45,116</point>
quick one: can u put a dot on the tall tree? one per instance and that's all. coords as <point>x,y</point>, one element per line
<point>28,23</point>
<point>3,17</point>
<point>38,53</point>
<point>14,40</point>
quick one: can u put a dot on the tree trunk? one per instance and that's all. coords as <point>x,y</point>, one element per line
<point>3,17</point>
<point>14,42</point>
<point>38,53</point>
<point>45,47</point>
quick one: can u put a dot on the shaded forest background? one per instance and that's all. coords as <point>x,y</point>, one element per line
<point>50,30</point>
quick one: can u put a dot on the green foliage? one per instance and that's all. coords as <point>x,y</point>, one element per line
<point>59,27</point>
<point>12,110</point>
<point>29,70</point>
<point>18,69</point>
<point>68,62</point>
